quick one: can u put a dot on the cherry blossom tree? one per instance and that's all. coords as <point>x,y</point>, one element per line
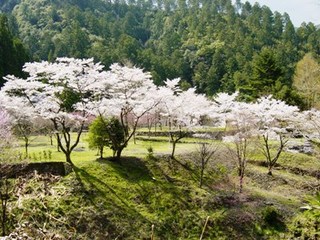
<point>267,119</point>
<point>60,92</point>
<point>22,122</point>
<point>236,117</point>
<point>5,132</point>
<point>221,109</point>
<point>128,95</point>
<point>6,140</point>
<point>183,110</point>
<point>151,119</point>
<point>273,117</point>
<point>243,128</point>
<point>309,125</point>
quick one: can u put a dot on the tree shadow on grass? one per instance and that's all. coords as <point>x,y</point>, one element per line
<point>183,203</point>
<point>113,215</point>
<point>154,189</point>
<point>132,169</point>
<point>94,188</point>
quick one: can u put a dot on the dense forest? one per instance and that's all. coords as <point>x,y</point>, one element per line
<point>213,45</point>
<point>12,52</point>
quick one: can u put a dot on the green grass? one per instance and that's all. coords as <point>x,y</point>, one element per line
<point>166,128</point>
<point>107,200</point>
<point>39,144</point>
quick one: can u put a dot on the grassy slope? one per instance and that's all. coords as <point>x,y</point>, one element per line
<point>105,200</point>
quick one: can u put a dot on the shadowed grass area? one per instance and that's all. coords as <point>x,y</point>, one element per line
<point>103,199</point>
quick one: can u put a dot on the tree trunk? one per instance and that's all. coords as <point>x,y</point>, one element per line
<point>58,146</point>
<point>4,215</point>
<point>101,152</point>
<point>201,177</point>
<point>26,144</point>
<point>270,170</point>
<point>4,200</point>
<point>173,149</point>
<point>118,154</point>
<point>68,158</point>
<point>240,184</point>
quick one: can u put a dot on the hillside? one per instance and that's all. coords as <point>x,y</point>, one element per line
<point>151,195</point>
<point>213,45</point>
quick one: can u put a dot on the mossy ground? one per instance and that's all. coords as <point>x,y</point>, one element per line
<point>147,195</point>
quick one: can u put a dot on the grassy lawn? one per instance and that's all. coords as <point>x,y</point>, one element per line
<point>161,146</point>
<point>101,199</point>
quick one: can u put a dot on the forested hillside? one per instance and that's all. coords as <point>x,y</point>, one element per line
<point>12,53</point>
<point>213,45</point>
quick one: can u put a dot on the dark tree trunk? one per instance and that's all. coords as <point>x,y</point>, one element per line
<point>101,152</point>
<point>68,158</point>
<point>240,184</point>
<point>118,154</point>
<point>26,144</point>
<point>51,140</point>
<point>4,200</point>
<point>58,146</point>
<point>174,143</point>
<point>201,177</point>
<point>4,215</point>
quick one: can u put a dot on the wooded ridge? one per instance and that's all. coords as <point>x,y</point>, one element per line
<point>213,45</point>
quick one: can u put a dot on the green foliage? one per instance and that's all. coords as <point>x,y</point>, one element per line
<point>68,98</point>
<point>106,133</point>
<point>306,225</point>
<point>116,132</point>
<point>266,72</point>
<point>216,48</point>
<point>306,80</point>
<point>6,188</point>
<point>98,136</point>
<point>150,154</point>
<point>272,218</point>
<point>12,53</point>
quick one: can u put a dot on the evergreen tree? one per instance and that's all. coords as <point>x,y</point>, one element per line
<point>266,73</point>
<point>12,53</point>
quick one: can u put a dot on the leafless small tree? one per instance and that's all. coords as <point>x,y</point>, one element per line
<point>205,153</point>
<point>240,154</point>
<point>243,128</point>
<point>267,152</point>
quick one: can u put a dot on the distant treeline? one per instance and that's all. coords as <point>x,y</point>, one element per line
<point>211,44</point>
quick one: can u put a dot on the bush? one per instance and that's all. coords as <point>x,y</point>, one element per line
<point>306,225</point>
<point>150,152</point>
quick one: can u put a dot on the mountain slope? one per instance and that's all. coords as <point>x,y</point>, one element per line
<point>209,44</point>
